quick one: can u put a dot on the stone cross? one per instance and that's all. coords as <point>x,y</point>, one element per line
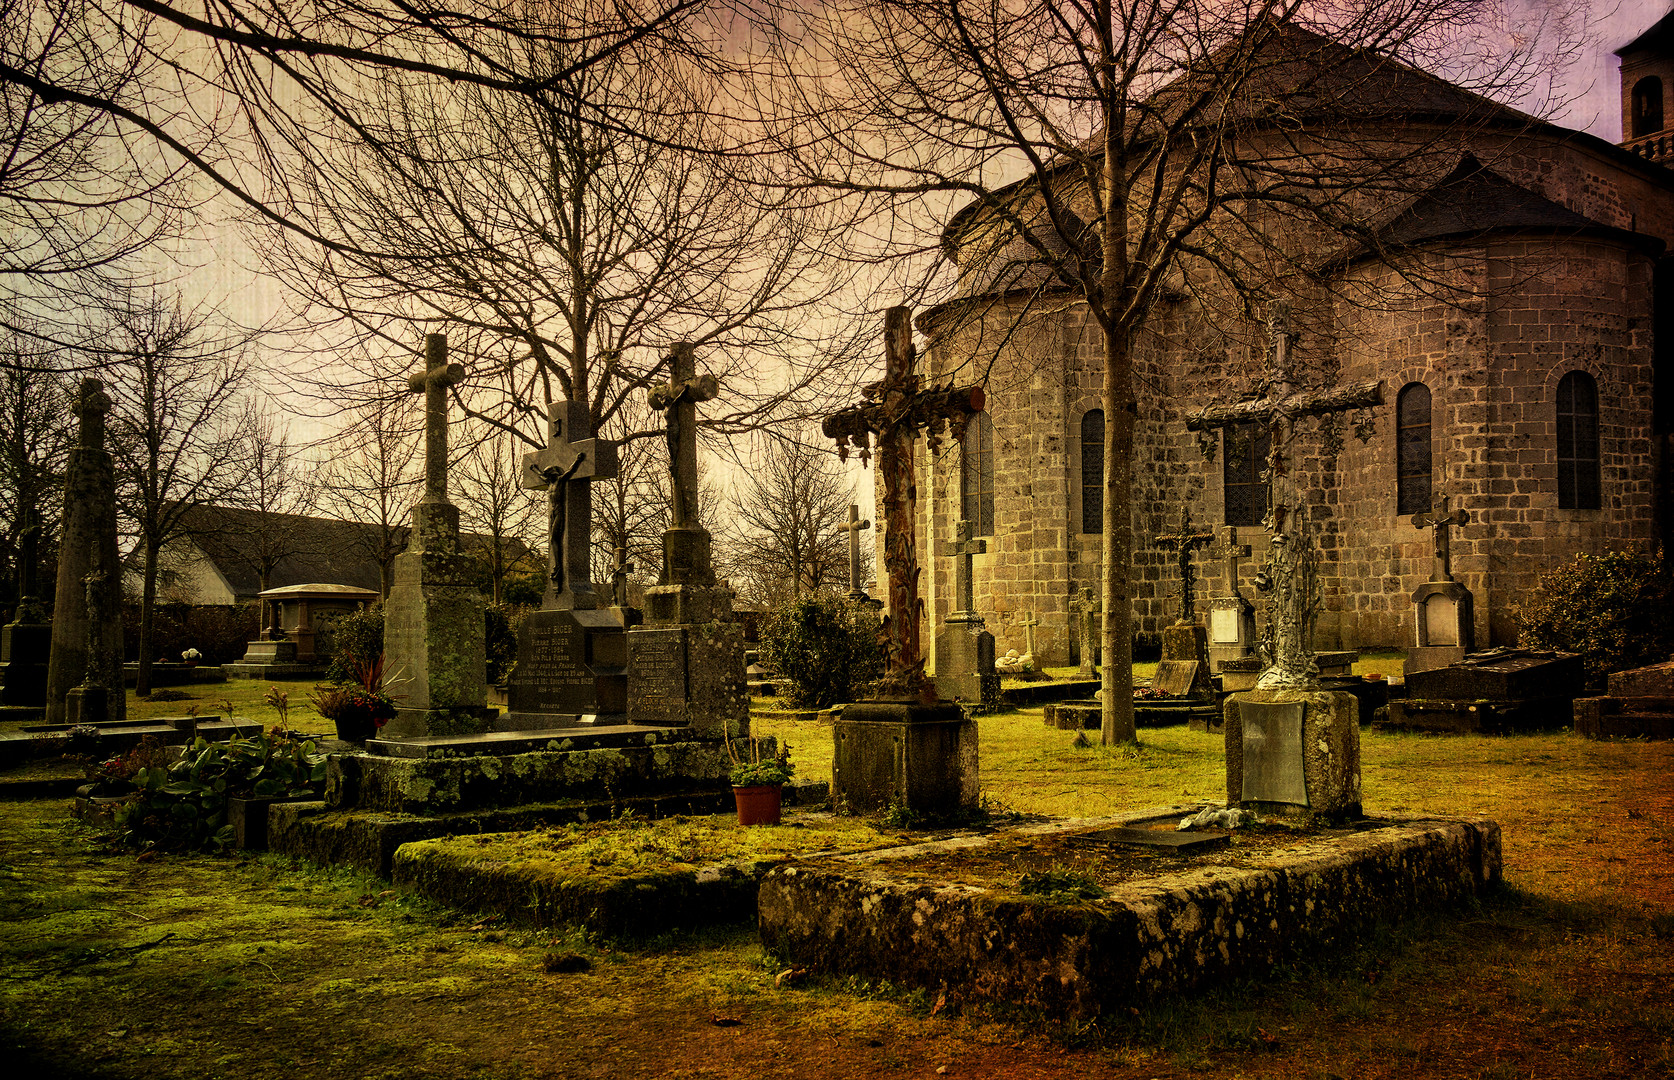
<point>29,607</point>
<point>963,548</point>
<point>433,383</point>
<point>853,527</point>
<point>1439,519</point>
<point>619,576</point>
<point>1028,623</point>
<point>1089,609</point>
<point>1290,575</point>
<point>571,460</point>
<point>677,400</point>
<point>1182,541</point>
<point>1228,548</point>
<point>894,412</point>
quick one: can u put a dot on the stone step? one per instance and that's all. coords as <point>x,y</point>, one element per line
<point>46,740</point>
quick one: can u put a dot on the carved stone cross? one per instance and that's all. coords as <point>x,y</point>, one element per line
<point>1227,547</point>
<point>894,412</point>
<point>853,527</point>
<point>571,460</point>
<point>963,548</point>
<point>1028,623</point>
<point>677,400</point>
<point>1089,608</point>
<point>433,383</point>
<point>619,572</point>
<point>1439,519</point>
<point>1291,570</point>
<point>1182,541</point>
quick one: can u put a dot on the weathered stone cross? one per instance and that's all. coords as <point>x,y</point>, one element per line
<point>433,383</point>
<point>1182,541</point>
<point>571,460</point>
<point>677,400</point>
<point>964,548</point>
<point>1439,519</point>
<point>853,527</point>
<point>1089,609</point>
<point>1028,623</point>
<point>1291,568</point>
<point>1228,548</point>
<point>619,576</point>
<point>895,411</point>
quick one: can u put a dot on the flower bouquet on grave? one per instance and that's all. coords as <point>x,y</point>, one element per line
<point>758,784</point>
<point>1149,693</point>
<point>358,711</point>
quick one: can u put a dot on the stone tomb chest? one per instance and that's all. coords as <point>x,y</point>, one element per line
<point>309,615</point>
<point>1507,689</point>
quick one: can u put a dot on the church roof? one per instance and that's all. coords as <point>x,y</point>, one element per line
<point>1473,201</point>
<point>1658,38</point>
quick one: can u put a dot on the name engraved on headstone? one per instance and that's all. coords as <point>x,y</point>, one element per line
<point>657,676</point>
<point>551,673</point>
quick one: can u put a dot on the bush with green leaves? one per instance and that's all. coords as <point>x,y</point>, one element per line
<point>1615,609</point>
<point>183,806</point>
<point>500,637</point>
<point>825,648</point>
<point>358,645</point>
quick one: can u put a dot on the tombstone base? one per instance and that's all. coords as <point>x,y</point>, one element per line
<point>1232,631</point>
<point>267,651</point>
<point>1294,754</point>
<point>686,662</point>
<point>1431,657</point>
<point>408,723</point>
<point>1187,641</point>
<point>89,705</point>
<point>1240,675</point>
<point>922,758</point>
<point>569,662</point>
<point>26,648</point>
<point>964,652</point>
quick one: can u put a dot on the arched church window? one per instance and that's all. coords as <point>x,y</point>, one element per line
<point>1578,483</point>
<point>1647,106</point>
<point>976,476</point>
<point>1092,471</point>
<point>1412,449</point>
<point>1244,458</point>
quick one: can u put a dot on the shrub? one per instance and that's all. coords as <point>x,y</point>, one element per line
<point>1614,609</point>
<point>500,636</point>
<point>825,648</point>
<point>359,641</point>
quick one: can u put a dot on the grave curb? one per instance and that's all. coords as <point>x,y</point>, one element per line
<point>1146,939</point>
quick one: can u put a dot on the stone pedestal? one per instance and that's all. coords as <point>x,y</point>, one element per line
<point>964,656</point>
<point>270,652</point>
<point>1231,630</point>
<point>25,648</point>
<point>1240,675</point>
<point>1184,668</point>
<point>1443,628</point>
<point>686,663</point>
<point>1294,754</point>
<point>922,758</point>
<point>434,654</point>
<point>572,668</point>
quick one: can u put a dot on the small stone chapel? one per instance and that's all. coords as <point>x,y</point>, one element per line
<point>1531,392</point>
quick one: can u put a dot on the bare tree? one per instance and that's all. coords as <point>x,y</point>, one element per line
<point>373,477</point>
<point>782,537</point>
<point>281,486</point>
<point>487,485</point>
<point>179,427</point>
<point>1111,154</point>
<point>36,433</point>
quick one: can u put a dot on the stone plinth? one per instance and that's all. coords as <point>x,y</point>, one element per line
<point>572,667</point>
<point>1232,630</point>
<point>1294,754</point>
<point>1240,674</point>
<point>25,649</point>
<point>922,758</point>
<point>309,615</point>
<point>686,663</point>
<point>434,654</point>
<point>1184,668</point>
<point>270,652</point>
<point>964,654</point>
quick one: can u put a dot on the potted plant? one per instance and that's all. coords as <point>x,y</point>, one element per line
<point>356,701</point>
<point>357,711</point>
<point>757,784</point>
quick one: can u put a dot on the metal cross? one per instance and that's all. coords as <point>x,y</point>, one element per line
<point>853,527</point>
<point>1182,541</point>
<point>571,459</point>
<point>1439,519</point>
<point>677,400</point>
<point>894,412</point>
<point>433,383</point>
<point>963,548</point>
<point>1291,570</point>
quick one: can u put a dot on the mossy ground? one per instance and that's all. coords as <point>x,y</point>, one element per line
<point>123,966</point>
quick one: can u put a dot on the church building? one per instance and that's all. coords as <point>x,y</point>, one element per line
<point>1526,371</point>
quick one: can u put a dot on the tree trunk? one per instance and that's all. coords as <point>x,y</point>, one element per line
<point>498,567</point>
<point>148,603</point>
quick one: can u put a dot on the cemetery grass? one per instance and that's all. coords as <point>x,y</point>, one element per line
<point>123,966</point>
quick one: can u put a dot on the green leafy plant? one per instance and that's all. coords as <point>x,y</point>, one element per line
<point>358,647</point>
<point>350,702</point>
<point>1615,609</point>
<point>500,638</point>
<point>825,648</point>
<point>775,769</point>
<point>182,806</point>
<point>1060,886</point>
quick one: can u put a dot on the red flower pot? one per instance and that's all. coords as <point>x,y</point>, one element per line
<point>757,805</point>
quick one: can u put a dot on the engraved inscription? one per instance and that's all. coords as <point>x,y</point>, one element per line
<point>551,675</point>
<point>657,682</point>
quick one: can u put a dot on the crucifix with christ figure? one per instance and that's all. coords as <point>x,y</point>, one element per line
<point>1181,541</point>
<point>572,459</point>
<point>1290,575</point>
<point>1440,520</point>
<point>893,413</point>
